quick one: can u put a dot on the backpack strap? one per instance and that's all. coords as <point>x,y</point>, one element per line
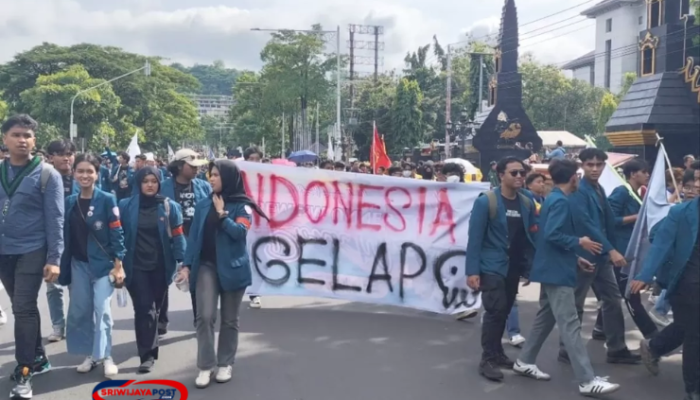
<point>166,207</point>
<point>493,204</point>
<point>526,200</point>
<point>46,169</point>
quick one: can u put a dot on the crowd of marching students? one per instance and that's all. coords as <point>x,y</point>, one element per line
<point>92,226</point>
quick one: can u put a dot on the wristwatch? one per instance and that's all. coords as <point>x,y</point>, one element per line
<point>223,214</point>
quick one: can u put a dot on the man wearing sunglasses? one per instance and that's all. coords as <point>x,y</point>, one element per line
<point>501,239</point>
<point>595,219</point>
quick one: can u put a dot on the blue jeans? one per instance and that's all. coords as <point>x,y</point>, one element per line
<point>54,296</point>
<point>513,322</point>
<point>662,307</point>
<point>89,329</point>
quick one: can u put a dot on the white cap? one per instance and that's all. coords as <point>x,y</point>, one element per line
<point>190,157</point>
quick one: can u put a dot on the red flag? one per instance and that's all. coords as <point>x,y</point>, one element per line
<point>377,153</point>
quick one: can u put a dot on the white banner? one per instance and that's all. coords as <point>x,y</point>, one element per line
<point>358,237</point>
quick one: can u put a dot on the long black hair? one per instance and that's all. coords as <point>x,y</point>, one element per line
<point>232,188</point>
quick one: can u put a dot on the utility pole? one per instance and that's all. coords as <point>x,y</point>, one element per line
<point>351,44</point>
<point>481,82</point>
<point>283,154</point>
<point>317,117</point>
<point>448,101</point>
<point>376,53</point>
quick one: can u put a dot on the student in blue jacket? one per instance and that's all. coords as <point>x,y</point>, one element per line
<point>674,258</point>
<point>595,219</point>
<point>625,208</point>
<point>121,174</point>
<point>218,267</point>
<point>91,266</point>
<point>187,191</point>
<point>153,232</point>
<point>498,254</point>
<point>555,268</point>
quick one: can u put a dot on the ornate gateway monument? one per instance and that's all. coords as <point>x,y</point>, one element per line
<point>507,124</point>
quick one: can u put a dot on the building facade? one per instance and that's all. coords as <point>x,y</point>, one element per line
<point>213,105</point>
<point>617,27</point>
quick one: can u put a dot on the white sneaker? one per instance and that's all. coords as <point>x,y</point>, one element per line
<point>598,386</point>
<point>530,371</point>
<point>255,302</point>
<point>659,319</point>
<point>87,365</point>
<point>466,314</point>
<point>203,379</point>
<point>110,367</point>
<point>3,317</point>
<point>224,374</point>
<point>57,335</point>
<point>517,340</point>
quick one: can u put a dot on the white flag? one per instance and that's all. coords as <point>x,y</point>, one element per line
<point>133,150</point>
<point>654,208</point>
<point>171,153</point>
<point>329,152</point>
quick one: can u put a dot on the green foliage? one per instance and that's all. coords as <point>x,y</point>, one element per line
<point>375,102</point>
<point>215,79</point>
<point>608,105</point>
<point>407,117</point>
<point>554,102</point>
<point>153,105</point>
<point>50,98</point>
<point>627,82</point>
<point>3,110</point>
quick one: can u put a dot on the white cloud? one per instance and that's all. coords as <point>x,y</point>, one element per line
<point>190,31</point>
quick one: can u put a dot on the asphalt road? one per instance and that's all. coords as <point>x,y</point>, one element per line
<point>318,349</point>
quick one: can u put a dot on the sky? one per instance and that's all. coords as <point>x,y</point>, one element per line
<point>201,31</point>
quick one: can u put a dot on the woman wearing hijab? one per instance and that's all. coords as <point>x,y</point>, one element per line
<point>218,267</point>
<point>153,234</point>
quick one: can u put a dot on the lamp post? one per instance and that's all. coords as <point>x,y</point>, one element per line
<point>337,74</point>
<point>74,128</point>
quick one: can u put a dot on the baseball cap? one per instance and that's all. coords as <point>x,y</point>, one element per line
<point>190,157</point>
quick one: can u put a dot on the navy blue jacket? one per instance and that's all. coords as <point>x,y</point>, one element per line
<point>232,261</point>
<point>487,247</point>
<point>623,204</point>
<point>591,214</point>
<point>106,238</point>
<point>555,260</point>
<point>173,241</point>
<point>672,246</point>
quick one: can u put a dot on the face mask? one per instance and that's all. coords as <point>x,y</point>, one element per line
<point>407,174</point>
<point>452,179</point>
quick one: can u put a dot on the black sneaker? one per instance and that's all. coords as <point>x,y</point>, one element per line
<point>651,361</point>
<point>598,335</point>
<point>489,369</point>
<point>504,362</point>
<point>564,357</point>
<point>162,329</point>
<point>624,356</point>
<point>41,366</point>
<point>147,365</point>
<point>23,383</point>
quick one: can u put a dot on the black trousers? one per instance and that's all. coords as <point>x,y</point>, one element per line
<point>22,276</point>
<point>686,322</point>
<point>163,313</point>
<point>634,306</point>
<point>497,295</point>
<point>147,290</point>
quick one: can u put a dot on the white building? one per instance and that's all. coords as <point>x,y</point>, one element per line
<point>213,105</point>
<point>618,23</point>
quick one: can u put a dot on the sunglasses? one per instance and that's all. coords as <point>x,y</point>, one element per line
<point>520,172</point>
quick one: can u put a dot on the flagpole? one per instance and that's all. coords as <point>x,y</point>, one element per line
<point>660,145</point>
<point>372,152</point>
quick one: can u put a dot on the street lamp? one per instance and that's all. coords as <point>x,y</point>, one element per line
<point>73,127</point>
<point>337,43</point>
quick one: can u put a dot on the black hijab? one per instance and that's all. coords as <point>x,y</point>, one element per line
<point>148,201</point>
<point>232,188</point>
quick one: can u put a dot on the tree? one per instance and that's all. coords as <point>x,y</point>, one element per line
<point>49,101</point>
<point>407,117</point>
<point>608,105</point>
<point>141,98</point>
<point>215,79</point>
<point>3,110</point>
<point>375,104</point>
<point>627,82</point>
<point>554,102</point>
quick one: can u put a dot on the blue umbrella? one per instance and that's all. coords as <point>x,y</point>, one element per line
<point>303,156</point>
